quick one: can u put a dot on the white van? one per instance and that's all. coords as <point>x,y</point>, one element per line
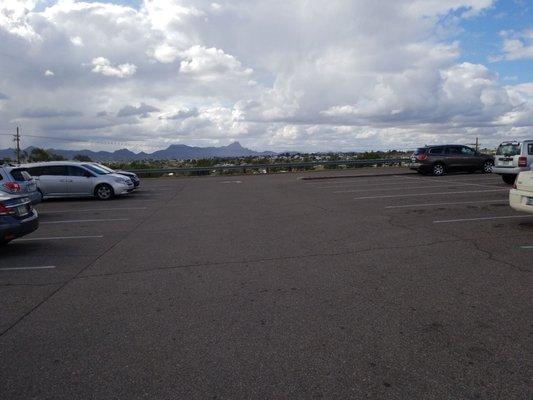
<point>77,179</point>
<point>512,158</point>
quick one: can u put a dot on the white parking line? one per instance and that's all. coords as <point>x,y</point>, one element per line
<point>93,209</point>
<point>481,219</point>
<point>446,204</point>
<point>74,221</point>
<point>450,185</point>
<point>24,268</point>
<point>427,194</point>
<point>58,238</point>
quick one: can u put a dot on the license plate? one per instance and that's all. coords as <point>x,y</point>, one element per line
<point>22,210</point>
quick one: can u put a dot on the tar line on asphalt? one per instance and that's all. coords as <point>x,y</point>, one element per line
<point>481,219</point>
<point>58,238</point>
<point>427,194</point>
<point>447,204</point>
<point>527,247</point>
<point>26,268</point>
<point>75,221</point>
<point>93,209</point>
<point>449,185</point>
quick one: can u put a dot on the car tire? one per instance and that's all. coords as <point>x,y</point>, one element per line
<point>486,168</point>
<point>509,179</point>
<point>104,192</point>
<point>438,169</point>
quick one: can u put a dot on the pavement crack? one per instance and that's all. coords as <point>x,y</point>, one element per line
<point>256,260</point>
<point>90,264</point>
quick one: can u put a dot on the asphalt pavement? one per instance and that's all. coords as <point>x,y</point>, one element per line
<point>370,284</point>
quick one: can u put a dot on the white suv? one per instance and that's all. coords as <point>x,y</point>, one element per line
<point>77,179</point>
<point>513,158</point>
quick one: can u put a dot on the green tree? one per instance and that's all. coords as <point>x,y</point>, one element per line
<point>37,154</point>
<point>82,158</point>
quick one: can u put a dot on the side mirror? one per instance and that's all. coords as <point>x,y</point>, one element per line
<point>87,175</point>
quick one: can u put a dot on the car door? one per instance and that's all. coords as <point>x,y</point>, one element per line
<point>453,156</point>
<point>80,182</point>
<point>528,146</point>
<point>469,158</point>
<point>51,179</point>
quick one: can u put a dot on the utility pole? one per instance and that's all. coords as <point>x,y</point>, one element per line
<point>477,144</point>
<point>17,141</point>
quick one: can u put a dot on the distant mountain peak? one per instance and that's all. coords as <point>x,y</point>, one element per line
<point>234,146</point>
<point>174,151</point>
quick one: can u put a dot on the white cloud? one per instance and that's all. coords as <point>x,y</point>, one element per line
<point>209,64</point>
<point>279,74</point>
<point>13,17</point>
<point>76,41</point>
<point>516,46</point>
<point>48,73</point>
<point>102,65</point>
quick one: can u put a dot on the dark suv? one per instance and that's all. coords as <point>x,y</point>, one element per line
<point>437,160</point>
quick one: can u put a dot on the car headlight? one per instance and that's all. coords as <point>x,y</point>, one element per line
<point>120,180</point>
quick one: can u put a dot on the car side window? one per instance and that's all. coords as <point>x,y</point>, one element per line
<point>54,170</point>
<point>77,171</point>
<point>530,149</point>
<point>453,150</point>
<point>438,150</point>
<point>35,171</point>
<point>467,151</point>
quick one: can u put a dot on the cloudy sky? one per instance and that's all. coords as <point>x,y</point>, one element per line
<point>273,74</point>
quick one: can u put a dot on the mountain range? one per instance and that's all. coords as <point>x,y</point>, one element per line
<point>173,152</point>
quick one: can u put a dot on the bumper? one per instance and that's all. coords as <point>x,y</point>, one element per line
<point>507,170</point>
<point>121,189</point>
<point>520,200</point>
<point>35,197</point>
<point>419,166</point>
<point>12,228</point>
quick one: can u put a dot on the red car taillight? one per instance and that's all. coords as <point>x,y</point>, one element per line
<point>422,157</point>
<point>12,186</point>
<point>522,161</point>
<point>5,211</point>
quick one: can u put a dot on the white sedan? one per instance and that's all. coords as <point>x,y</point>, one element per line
<point>521,195</point>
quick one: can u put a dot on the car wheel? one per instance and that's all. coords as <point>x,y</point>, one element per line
<point>104,192</point>
<point>438,169</point>
<point>509,179</point>
<point>487,167</point>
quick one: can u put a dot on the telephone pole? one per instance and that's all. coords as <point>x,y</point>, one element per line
<point>17,141</point>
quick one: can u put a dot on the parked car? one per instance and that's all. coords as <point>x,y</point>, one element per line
<point>134,178</point>
<point>438,160</point>
<point>77,179</point>
<point>513,158</point>
<point>17,217</point>
<point>521,195</point>
<point>15,181</point>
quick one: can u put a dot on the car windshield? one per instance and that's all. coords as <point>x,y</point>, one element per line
<point>96,169</point>
<point>104,168</point>
<point>508,149</point>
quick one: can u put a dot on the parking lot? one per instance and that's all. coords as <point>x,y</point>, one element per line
<point>372,283</point>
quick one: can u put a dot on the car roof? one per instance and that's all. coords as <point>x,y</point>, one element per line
<point>443,145</point>
<point>45,163</point>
